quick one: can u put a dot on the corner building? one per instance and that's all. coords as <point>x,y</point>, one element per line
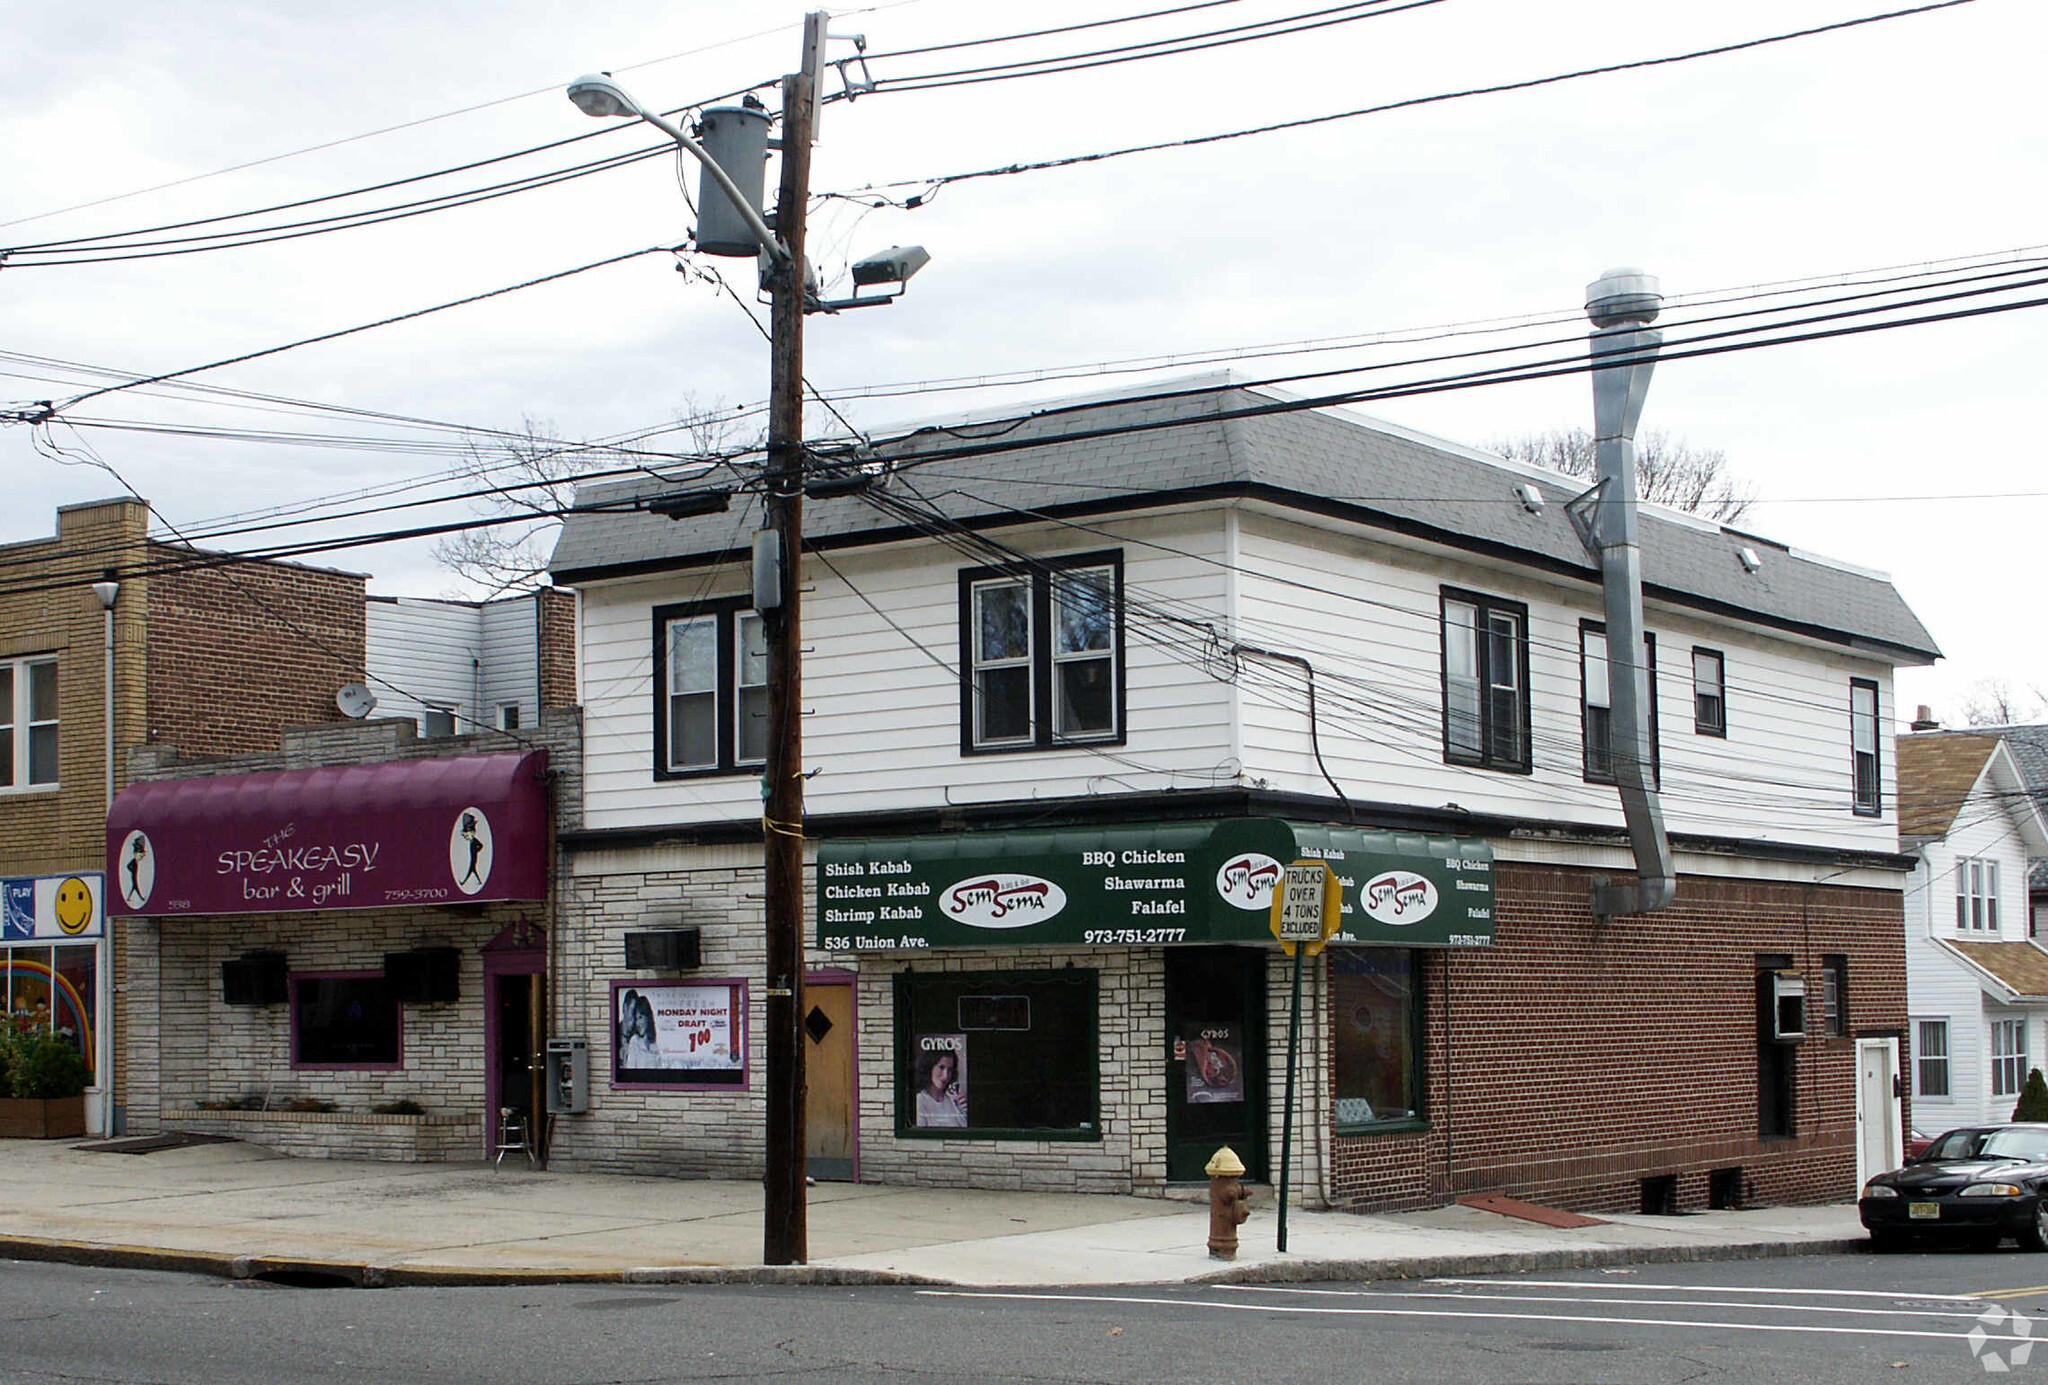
<point>1072,705</point>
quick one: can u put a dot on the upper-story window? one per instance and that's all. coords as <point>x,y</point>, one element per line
<point>1869,790</point>
<point>1709,692</point>
<point>28,723</point>
<point>1042,655</point>
<point>1486,681</point>
<point>710,689</point>
<point>1977,894</point>
<point>1596,703</point>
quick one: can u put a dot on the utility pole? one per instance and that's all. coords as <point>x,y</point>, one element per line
<point>785,1233</point>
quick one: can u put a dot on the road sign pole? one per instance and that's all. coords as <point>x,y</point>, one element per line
<point>1287,1115</point>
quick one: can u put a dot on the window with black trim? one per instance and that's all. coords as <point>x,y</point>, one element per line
<point>1596,705</point>
<point>1834,994</point>
<point>1377,1046</point>
<point>1042,655</point>
<point>1486,681</point>
<point>1010,1053</point>
<point>1709,692</point>
<point>710,689</point>
<point>345,1020</point>
<point>1863,754</point>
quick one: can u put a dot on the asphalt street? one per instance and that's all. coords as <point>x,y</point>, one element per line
<point>1819,1318</point>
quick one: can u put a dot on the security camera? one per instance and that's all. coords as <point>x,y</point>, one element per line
<point>892,266</point>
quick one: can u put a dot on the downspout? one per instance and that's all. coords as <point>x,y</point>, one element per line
<point>103,1060</point>
<point>1622,303</point>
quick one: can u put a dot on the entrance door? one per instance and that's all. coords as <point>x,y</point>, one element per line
<point>1877,1107</point>
<point>830,1140</point>
<point>516,1007</point>
<point>1215,1059</point>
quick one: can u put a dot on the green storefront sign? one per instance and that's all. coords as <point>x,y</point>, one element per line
<point>1144,885</point>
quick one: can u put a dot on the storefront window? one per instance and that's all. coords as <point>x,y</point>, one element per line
<point>344,1021</point>
<point>1378,1041</point>
<point>997,1053</point>
<point>51,988</point>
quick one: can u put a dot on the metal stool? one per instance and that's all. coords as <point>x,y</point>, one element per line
<point>513,1134</point>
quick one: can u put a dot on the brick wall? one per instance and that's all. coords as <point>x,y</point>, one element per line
<point>241,650</point>
<point>557,606</point>
<point>1571,1060</point>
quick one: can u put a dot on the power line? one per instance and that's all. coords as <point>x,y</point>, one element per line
<point>1384,107</point>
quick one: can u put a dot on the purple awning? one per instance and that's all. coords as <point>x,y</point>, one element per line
<point>463,829</point>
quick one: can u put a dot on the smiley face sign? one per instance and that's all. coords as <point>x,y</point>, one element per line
<point>73,906</point>
<point>51,907</point>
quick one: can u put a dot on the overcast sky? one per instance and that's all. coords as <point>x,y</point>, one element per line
<point>1915,451</point>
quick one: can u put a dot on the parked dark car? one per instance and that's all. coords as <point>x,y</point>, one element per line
<point>1981,1183</point>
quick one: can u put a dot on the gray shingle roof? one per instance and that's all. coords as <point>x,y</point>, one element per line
<point>1377,474</point>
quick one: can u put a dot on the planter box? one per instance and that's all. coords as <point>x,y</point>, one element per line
<point>34,1118</point>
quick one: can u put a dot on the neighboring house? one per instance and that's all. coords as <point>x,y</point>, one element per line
<point>109,641</point>
<point>2029,747</point>
<point>457,667</point>
<point>1977,985</point>
<point>1070,706</point>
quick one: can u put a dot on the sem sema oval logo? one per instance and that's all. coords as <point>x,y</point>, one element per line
<point>1247,880</point>
<point>1002,901</point>
<point>1398,897</point>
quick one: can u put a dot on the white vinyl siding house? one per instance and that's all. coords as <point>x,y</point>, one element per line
<point>454,666</point>
<point>1968,952</point>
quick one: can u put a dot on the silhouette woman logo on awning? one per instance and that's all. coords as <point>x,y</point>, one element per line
<point>137,869</point>
<point>469,850</point>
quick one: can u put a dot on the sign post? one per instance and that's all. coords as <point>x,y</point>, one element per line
<point>1306,911</point>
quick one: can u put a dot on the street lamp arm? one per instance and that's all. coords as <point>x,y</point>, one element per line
<point>725,185</point>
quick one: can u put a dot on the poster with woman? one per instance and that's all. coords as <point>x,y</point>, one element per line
<point>679,1034</point>
<point>940,1073</point>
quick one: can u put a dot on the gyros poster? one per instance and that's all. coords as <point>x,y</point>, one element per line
<point>671,1034</point>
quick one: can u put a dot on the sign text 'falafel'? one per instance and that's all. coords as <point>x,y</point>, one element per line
<point>1145,885</point>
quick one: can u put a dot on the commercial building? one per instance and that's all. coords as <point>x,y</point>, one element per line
<point>110,640</point>
<point>1076,688</point>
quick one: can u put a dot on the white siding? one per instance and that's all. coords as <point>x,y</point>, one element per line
<point>882,726</point>
<point>1939,986</point>
<point>1367,613</point>
<point>510,645</point>
<point>423,653</point>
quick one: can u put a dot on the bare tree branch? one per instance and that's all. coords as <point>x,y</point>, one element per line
<point>1668,471</point>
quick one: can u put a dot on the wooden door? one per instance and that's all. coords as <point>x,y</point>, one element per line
<point>830,1114</point>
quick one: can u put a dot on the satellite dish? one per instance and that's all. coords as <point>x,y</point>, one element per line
<point>355,701</point>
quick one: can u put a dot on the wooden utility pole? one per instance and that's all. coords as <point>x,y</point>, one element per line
<point>785,1234</point>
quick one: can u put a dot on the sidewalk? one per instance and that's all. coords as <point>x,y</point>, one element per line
<point>238,1210</point>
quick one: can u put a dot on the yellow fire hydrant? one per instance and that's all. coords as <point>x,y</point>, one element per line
<point>1227,1199</point>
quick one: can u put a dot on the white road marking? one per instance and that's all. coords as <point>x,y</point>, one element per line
<point>1716,1288</point>
<point>1818,1329</point>
<point>1966,1314</point>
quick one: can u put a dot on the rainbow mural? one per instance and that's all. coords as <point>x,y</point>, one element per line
<point>60,986</point>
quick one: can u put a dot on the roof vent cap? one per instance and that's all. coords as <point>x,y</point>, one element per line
<point>1750,561</point>
<point>1531,498</point>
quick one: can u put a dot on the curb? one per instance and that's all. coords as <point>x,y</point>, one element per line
<point>1524,1262</point>
<point>356,1274</point>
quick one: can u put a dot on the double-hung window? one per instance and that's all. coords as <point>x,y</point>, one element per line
<point>2008,1056</point>
<point>1977,894</point>
<point>1930,1066</point>
<point>28,723</point>
<point>1597,703</point>
<point>1709,692</point>
<point>710,689</point>
<point>1486,681</point>
<point>1042,653</point>
<point>1869,790</point>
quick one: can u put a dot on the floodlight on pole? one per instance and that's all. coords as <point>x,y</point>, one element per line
<point>598,95</point>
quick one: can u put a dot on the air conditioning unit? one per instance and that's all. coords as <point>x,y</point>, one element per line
<point>254,978</point>
<point>425,975</point>
<point>1787,997</point>
<point>670,949</point>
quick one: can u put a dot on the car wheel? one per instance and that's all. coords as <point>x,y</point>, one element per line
<point>2034,1235</point>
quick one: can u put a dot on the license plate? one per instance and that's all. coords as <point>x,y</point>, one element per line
<point>1924,1211</point>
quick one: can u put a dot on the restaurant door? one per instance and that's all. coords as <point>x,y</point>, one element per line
<point>515,1033</point>
<point>1215,1059</point>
